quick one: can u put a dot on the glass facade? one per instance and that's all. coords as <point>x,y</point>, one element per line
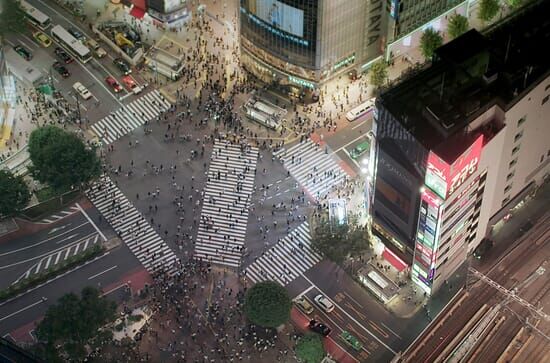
<point>286,29</point>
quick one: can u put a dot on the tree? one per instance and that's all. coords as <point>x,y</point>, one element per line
<point>309,349</point>
<point>267,304</point>
<point>430,40</point>
<point>12,18</point>
<point>73,322</point>
<point>337,242</point>
<point>61,159</point>
<point>14,194</point>
<point>458,25</point>
<point>378,73</point>
<point>488,9</point>
<point>514,3</point>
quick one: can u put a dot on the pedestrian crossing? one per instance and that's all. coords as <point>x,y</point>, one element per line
<point>286,260</point>
<point>60,215</point>
<point>61,255</point>
<point>131,116</point>
<point>226,199</point>
<point>315,167</point>
<point>131,226</point>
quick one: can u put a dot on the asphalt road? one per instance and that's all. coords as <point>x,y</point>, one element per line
<point>42,240</point>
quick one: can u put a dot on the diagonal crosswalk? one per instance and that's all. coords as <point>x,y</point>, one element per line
<point>226,198</point>
<point>131,116</point>
<point>316,168</point>
<point>286,260</point>
<point>131,226</point>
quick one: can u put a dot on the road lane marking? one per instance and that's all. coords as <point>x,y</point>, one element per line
<point>378,329</point>
<point>55,278</point>
<point>304,292</point>
<point>67,238</point>
<point>68,246</point>
<point>102,272</point>
<point>41,242</point>
<point>91,222</point>
<point>349,143</point>
<point>394,333</point>
<point>355,301</point>
<point>363,316</point>
<point>53,230</point>
<point>21,310</point>
<point>359,124</point>
<point>352,318</point>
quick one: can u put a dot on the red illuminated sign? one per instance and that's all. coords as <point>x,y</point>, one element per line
<point>443,178</point>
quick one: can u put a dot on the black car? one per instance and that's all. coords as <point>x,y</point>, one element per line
<point>23,52</point>
<point>60,68</point>
<point>320,328</point>
<point>77,34</point>
<point>122,65</point>
<point>64,56</point>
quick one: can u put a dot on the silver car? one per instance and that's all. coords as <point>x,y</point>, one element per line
<point>324,303</point>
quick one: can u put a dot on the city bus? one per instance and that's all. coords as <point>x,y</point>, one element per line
<point>71,44</point>
<point>360,110</point>
<point>35,16</point>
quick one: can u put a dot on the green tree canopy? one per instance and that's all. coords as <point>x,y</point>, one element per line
<point>378,73</point>
<point>12,18</point>
<point>430,40</point>
<point>61,159</point>
<point>74,321</point>
<point>488,9</point>
<point>14,194</point>
<point>267,304</point>
<point>337,242</point>
<point>309,349</point>
<point>514,3</point>
<point>458,25</point>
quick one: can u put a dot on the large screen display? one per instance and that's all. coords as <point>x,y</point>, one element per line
<point>281,16</point>
<point>443,178</point>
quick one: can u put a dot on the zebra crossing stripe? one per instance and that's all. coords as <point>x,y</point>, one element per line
<point>315,168</point>
<point>131,116</point>
<point>224,215</point>
<point>54,258</point>
<point>132,227</point>
<point>63,214</point>
<point>286,260</point>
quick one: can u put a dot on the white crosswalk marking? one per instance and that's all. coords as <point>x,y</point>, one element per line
<point>54,258</point>
<point>226,198</point>
<point>60,215</point>
<point>129,117</point>
<point>315,168</point>
<point>131,226</point>
<point>286,260</point>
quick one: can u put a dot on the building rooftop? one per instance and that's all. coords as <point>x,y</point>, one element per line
<point>468,76</point>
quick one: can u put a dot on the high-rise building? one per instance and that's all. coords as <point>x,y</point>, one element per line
<point>461,143</point>
<point>299,44</point>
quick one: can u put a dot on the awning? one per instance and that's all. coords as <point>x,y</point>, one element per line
<point>394,260</point>
<point>137,12</point>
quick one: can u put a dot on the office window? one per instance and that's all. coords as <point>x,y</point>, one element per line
<point>504,201</point>
<point>545,99</point>
<point>542,158</point>
<point>521,121</point>
<point>508,187</point>
<point>510,176</point>
<point>518,136</point>
<point>512,163</point>
<point>516,149</point>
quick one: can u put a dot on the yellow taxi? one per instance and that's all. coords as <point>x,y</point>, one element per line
<point>42,38</point>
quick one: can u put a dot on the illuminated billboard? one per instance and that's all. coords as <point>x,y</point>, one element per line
<point>443,178</point>
<point>281,16</point>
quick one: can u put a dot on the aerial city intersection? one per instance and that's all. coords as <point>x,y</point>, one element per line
<point>274,181</point>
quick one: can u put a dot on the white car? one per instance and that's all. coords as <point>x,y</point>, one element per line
<point>82,91</point>
<point>324,303</point>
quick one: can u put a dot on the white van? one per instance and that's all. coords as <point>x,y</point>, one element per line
<point>82,91</point>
